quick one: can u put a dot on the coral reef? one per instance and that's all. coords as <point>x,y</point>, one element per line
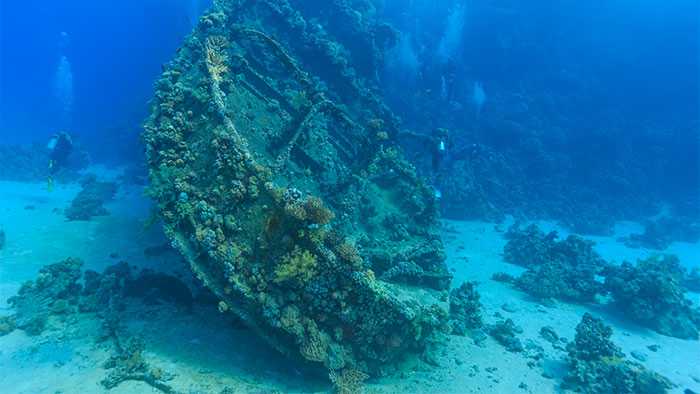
<point>3,239</point>
<point>7,325</point>
<point>58,293</point>
<point>651,293</point>
<point>564,269</point>
<point>660,233</point>
<point>54,292</point>
<point>89,201</point>
<point>465,309</point>
<point>271,163</point>
<point>597,366</point>
<point>62,289</point>
<point>298,266</point>
<point>129,364</point>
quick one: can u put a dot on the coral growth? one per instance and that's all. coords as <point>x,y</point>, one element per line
<point>57,298</point>
<point>299,266</point>
<point>7,325</point>
<point>565,269</point>
<point>660,233</point>
<point>216,58</point>
<point>651,293</point>
<point>597,366</point>
<point>55,291</point>
<point>129,364</point>
<point>348,381</point>
<point>506,333</point>
<point>465,309</point>
<point>311,209</point>
<point>58,291</point>
<point>90,200</point>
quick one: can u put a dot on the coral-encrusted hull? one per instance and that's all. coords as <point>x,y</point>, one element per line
<point>295,209</point>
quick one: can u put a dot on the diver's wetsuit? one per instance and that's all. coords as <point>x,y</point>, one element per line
<point>58,156</point>
<point>439,143</point>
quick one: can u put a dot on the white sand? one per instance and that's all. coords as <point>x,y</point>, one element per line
<point>207,354</point>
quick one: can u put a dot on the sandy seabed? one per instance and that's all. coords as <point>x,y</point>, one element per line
<point>207,352</point>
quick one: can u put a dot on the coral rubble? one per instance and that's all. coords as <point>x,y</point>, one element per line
<point>597,366</point>
<point>90,200</point>
<point>272,166</point>
<point>651,293</point>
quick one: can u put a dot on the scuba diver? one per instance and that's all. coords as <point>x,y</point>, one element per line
<point>441,147</point>
<point>439,144</point>
<point>60,147</point>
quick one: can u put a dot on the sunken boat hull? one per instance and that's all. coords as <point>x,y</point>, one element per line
<point>275,176</point>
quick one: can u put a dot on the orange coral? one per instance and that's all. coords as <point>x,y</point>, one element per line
<point>348,252</point>
<point>317,212</point>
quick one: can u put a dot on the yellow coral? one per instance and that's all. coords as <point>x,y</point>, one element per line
<point>349,381</point>
<point>298,265</point>
<point>296,210</point>
<point>216,57</point>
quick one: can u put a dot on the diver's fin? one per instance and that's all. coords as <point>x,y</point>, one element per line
<point>49,180</point>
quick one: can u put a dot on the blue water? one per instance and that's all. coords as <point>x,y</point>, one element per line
<point>581,116</point>
<point>115,51</point>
